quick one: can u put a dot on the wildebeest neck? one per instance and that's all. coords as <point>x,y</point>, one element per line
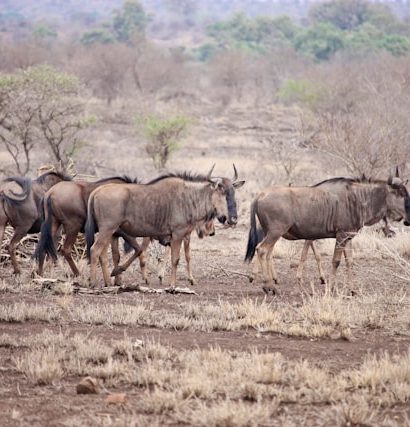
<point>196,202</point>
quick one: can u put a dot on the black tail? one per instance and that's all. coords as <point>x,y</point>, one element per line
<point>255,235</point>
<point>24,183</point>
<point>46,243</point>
<point>90,226</point>
<point>127,247</point>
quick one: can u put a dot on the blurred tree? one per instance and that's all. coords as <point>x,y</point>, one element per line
<point>99,35</point>
<point>129,21</point>
<point>343,14</point>
<point>320,41</point>
<point>39,109</point>
<point>44,33</point>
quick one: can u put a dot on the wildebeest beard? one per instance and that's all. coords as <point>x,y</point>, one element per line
<point>232,212</point>
<point>407,208</point>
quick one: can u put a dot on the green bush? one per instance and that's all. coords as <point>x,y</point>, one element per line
<point>163,136</point>
<point>299,91</point>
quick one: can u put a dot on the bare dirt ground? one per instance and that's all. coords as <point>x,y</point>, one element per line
<point>221,274</point>
<point>229,355</point>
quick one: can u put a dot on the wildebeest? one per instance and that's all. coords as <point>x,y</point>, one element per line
<point>169,207</point>
<point>65,205</point>
<point>312,213</point>
<point>20,199</point>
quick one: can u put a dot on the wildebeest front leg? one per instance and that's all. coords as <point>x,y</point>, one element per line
<point>303,257</point>
<point>115,252</point>
<point>348,253</point>
<point>175,250</point>
<point>105,265</point>
<point>187,250</point>
<point>318,262</point>
<point>161,263</point>
<point>341,242</point>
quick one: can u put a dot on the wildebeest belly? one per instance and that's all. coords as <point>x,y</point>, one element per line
<point>147,230</point>
<point>297,232</point>
<point>35,228</point>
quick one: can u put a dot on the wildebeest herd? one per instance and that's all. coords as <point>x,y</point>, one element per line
<point>169,208</point>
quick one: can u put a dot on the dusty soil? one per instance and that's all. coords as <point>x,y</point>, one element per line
<point>221,275</point>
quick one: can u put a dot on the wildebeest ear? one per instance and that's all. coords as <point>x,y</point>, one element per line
<point>238,184</point>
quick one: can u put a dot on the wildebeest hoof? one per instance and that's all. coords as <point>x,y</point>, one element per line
<point>251,278</point>
<point>192,282</point>
<point>269,289</point>
<point>323,281</point>
<point>117,270</point>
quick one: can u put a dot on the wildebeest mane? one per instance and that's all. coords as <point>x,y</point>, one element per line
<point>125,178</point>
<point>41,179</point>
<point>186,176</point>
<point>350,180</point>
<point>24,183</point>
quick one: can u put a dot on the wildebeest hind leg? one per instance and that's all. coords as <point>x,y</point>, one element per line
<point>70,238</point>
<point>19,233</point>
<point>103,239</point>
<point>264,249</point>
<point>271,269</point>
<point>123,267</point>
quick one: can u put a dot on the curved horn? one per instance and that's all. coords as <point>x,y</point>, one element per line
<point>397,172</point>
<point>208,177</point>
<point>235,177</point>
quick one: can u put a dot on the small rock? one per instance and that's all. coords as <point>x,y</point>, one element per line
<point>88,385</point>
<point>116,398</point>
<point>138,343</point>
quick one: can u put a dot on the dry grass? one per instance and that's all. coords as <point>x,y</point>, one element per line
<point>217,387</point>
<point>320,315</point>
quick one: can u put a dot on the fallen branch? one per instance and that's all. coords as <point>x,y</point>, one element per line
<point>227,272</point>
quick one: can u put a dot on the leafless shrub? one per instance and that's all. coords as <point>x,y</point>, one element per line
<point>361,117</point>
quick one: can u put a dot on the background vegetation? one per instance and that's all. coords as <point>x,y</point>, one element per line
<point>342,66</point>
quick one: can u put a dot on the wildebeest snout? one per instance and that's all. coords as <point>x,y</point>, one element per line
<point>233,220</point>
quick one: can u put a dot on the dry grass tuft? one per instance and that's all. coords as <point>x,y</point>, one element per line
<point>22,312</point>
<point>41,367</point>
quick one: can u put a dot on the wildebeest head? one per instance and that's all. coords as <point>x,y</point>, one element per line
<point>224,197</point>
<point>398,200</point>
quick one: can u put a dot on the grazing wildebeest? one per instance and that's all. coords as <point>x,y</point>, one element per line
<point>65,205</point>
<point>22,209</point>
<point>312,213</point>
<point>169,207</point>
